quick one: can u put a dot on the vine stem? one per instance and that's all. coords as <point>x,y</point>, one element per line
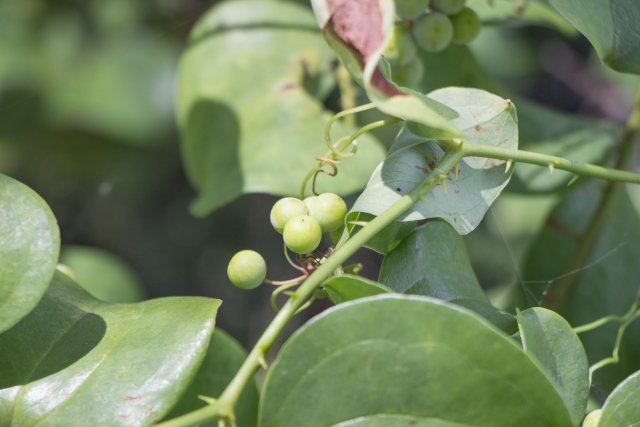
<point>223,407</point>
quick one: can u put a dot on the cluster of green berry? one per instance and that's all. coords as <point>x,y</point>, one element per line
<point>432,25</point>
<point>301,224</point>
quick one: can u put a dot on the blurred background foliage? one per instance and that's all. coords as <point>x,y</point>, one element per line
<point>87,91</point>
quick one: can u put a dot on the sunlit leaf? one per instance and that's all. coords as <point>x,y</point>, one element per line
<point>29,245</point>
<point>391,356</point>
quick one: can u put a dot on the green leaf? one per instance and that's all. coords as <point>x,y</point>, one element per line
<point>520,12</point>
<point>606,284</point>
<point>347,287</point>
<point>29,247</point>
<point>610,25</point>
<point>431,261</point>
<point>246,127</point>
<point>621,407</point>
<point>103,275</point>
<point>548,131</point>
<point>406,356</point>
<point>76,361</point>
<point>223,359</point>
<point>466,197</point>
<point>549,339</point>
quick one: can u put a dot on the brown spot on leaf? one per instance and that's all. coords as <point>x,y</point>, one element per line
<point>422,169</point>
<point>130,398</point>
<point>478,128</point>
<point>285,86</point>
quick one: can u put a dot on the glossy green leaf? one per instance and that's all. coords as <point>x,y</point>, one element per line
<point>246,127</point>
<point>394,356</point>
<point>549,339</point>
<point>76,361</point>
<point>103,275</point>
<point>29,245</point>
<point>397,421</point>
<point>621,407</point>
<point>520,12</point>
<point>466,197</point>
<point>223,359</point>
<point>610,25</point>
<point>607,283</point>
<point>548,131</point>
<point>347,287</point>
<point>431,261</point>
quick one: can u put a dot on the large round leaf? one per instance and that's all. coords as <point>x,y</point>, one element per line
<point>75,361</point>
<point>248,117</point>
<point>394,355</point>
<point>29,245</point>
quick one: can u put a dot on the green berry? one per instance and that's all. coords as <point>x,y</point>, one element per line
<point>592,418</point>
<point>285,209</point>
<point>408,75</point>
<point>247,269</point>
<point>409,9</point>
<point>302,234</point>
<point>466,26</point>
<point>433,32</point>
<point>401,48</point>
<point>328,209</point>
<point>449,7</point>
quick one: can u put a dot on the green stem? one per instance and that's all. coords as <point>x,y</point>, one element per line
<point>615,356</point>
<point>348,93</point>
<point>223,407</point>
<point>557,295</point>
<point>344,143</point>
<point>584,169</point>
<point>597,323</point>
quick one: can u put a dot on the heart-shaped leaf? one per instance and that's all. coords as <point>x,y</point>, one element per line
<point>29,247</point>
<point>248,128</point>
<point>431,261</point>
<point>76,361</point>
<point>610,25</point>
<point>463,202</point>
<point>391,356</point>
<point>621,407</point>
<point>549,339</point>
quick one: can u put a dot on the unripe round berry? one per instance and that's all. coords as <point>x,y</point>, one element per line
<point>466,26</point>
<point>328,209</point>
<point>592,418</point>
<point>401,48</point>
<point>409,9</point>
<point>247,269</point>
<point>285,209</point>
<point>302,234</point>
<point>408,75</point>
<point>433,32</point>
<point>449,7</point>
